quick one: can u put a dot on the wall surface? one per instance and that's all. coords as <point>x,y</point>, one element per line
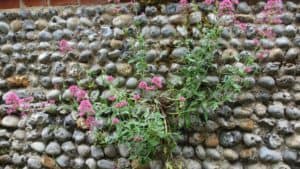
<point>260,131</point>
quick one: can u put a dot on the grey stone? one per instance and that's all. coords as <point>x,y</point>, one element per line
<point>292,113</point>
<point>78,163</point>
<point>244,8</point>
<point>284,127</point>
<point>213,154</point>
<point>4,27</point>
<point>34,162</point>
<point>276,110</point>
<point>53,94</point>
<point>106,164</point>
<point>269,155</point>
<point>91,163</point>
<point>18,159</point>
<point>131,83</point>
<point>188,151</point>
<point>110,151</point>
<point>287,18</point>
<point>200,152</point>
<point>289,155</point>
<point>53,148</point>
<point>251,139</point>
<point>266,82</point>
<point>85,22</point>
<point>10,121</point>
<point>78,136</point>
<point>62,134</point>
<point>282,96</point>
<point>230,154</point>
<point>283,42</point>
<point>18,134</point>
<point>28,25</point>
<point>38,146</point>
<point>290,31</point>
<point>192,164</point>
<point>122,20</point>
<point>69,148</point>
<point>292,54</point>
<point>85,56</point>
<point>156,164</point>
<point>45,36</point>
<point>230,139</point>
<point>59,68</point>
<point>110,68</point>
<point>151,55</point>
<point>179,53</point>
<point>285,81</point>
<point>168,31</point>
<point>97,152</point>
<point>293,141</point>
<point>38,118</point>
<point>267,44</point>
<point>83,150</point>
<point>8,70</point>
<point>195,17</point>
<point>273,140</point>
<point>123,150</point>
<point>242,111</point>
<point>150,10</point>
<point>209,165</point>
<point>63,160</point>
<point>72,23</point>
<point>47,133</point>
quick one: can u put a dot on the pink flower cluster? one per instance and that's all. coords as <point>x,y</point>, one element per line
<point>209,2</point>
<point>267,33</point>
<point>64,46</point>
<point>115,120</point>
<point>78,93</point>
<point>121,104</point>
<point>110,78</point>
<point>226,7</point>
<point>16,103</point>
<point>183,3</point>
<point>85,107</point>
<point>272,10</point>
<point>156,81</point>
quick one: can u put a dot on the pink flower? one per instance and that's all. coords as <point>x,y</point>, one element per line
<point>157,81</point>
<point>227,7</point>
<point>136,97</point>
<point>78,93</point>
<point>209,2</point>
<point>121,104</point>
<point>142,85</point>
<point>115,120</point>
<point>183,3</point>
<point>12,98</point>
<point>111,98</point>
<point>262,54</point>
<point>85,107</point>
<point>256,41</point>
<point>110,78</point>
<point>17,103</point>
<point>242,26</point>
<point>150,88</point>
<point>182,99</point>
<point>248,69</point>
<point>90,122</point>
<point>64,46</point>
<point>73,89</point>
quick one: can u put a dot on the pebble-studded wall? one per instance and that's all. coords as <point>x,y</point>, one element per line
<point>261,131</point>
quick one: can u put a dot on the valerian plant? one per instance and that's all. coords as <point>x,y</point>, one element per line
<point>149,119</point>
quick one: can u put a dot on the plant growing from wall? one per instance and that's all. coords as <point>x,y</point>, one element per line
<point>146,119</point>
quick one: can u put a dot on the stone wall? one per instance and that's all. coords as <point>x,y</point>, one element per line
<point>261,130</point>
